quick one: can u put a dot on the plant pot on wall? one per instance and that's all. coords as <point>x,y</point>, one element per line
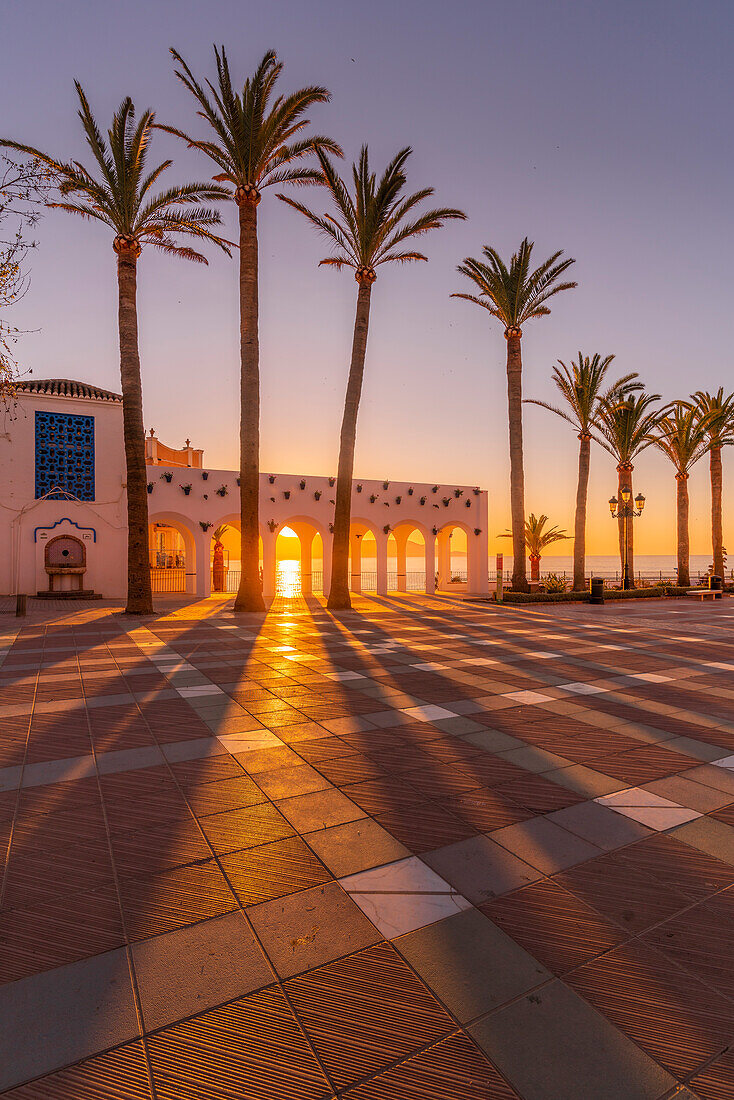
<point>150,486</point>
<point>204,475</point>
<point>167,477</point>
<point>186,489</point>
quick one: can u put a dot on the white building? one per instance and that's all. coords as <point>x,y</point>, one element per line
<point>62,500</point>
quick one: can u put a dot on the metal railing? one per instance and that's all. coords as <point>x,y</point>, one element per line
<point>168,579</point>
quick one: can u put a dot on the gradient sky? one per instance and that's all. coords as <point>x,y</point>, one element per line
<point>602,129</point>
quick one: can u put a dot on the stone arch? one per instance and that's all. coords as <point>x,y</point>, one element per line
<point>476,574</point>
<point>185,577</point>
<point>371,580</point>
<point>232,544</point>
<point>401,535</point>
<point>299,580</point>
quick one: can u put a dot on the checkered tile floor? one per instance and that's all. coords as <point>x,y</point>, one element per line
<point>422,849</point>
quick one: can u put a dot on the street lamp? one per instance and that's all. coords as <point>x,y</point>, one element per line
<point>625,509</point>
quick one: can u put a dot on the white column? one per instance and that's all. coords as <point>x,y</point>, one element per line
<point>306,539</point>
<point>269,566</point>
<point>326,562</point>
<point>444,558</point>
<point>401,541</point>
<point>430,565</point>
<point>477,558</point>
<point>198,574</point>
<point>355,549</point>
<point>381,543</point>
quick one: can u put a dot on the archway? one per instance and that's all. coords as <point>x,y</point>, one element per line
<point>453,551</point>
<point>299,558</point>
<point>367,557</point>
<point>172,554</point>
<point>408,565</point>
<point>224,564</point>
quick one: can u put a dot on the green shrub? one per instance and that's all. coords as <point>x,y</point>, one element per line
<point>553,583</point>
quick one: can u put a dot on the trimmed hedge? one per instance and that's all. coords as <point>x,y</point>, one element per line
<point>584,597</point>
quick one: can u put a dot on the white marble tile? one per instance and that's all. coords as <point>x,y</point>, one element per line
<point>403,896</point>
<point>658,817</point>
<point>725,762</point>
<point>58,771</point>
<point>429,713</point>
<point>651,677</point>
<point>527,696</point>
<point>248,742</point>
<point>429,666</point>
<point>633,796</point>
<point>195,692</point>
<point>582,689</point>
<point>345,675</point>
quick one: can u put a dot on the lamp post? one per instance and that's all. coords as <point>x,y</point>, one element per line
<point>625,509</point>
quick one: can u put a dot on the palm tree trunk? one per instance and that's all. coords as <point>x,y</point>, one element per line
<point>339,587</point>
<point>517,477</point>
<point>717,534</point>
<point>579,534</point>
<point>139,598</point>
<point>684,576</point>
<point>624,471</point>
<point>249,594</point>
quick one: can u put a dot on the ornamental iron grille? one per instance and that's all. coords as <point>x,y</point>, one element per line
<point>64,456</point>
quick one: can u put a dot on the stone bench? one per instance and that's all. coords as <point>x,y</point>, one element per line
<point>704,592</point>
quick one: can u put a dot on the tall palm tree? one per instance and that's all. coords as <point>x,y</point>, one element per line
<point>536,540</point>
<point>719,411</point>
<point>581,387</point>
<point>626,427</point>
<point>683,436</point>
<point>514,296</point>
<point>120,193</point>
<point>368,228</point>
<point>257,141</point>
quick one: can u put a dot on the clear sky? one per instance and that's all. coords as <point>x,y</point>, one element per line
<point>602,129</point>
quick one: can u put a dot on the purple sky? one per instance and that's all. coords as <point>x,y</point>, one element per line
<point>602,129</point>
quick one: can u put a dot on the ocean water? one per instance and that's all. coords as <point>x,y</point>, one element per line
<point>648,566</point>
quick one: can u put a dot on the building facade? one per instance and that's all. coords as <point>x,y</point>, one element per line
<point>62,499</point>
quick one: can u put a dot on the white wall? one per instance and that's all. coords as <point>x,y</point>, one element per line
<point>21,544</point>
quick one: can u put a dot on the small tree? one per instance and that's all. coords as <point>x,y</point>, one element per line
<point>24,187</point>
<point>536,539</point>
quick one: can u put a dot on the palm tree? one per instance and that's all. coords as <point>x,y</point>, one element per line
<point>256,143</point>
<point>514,296</point>
<point>682,435</point>
<point>580,385</point>
<point>536,539</point>
<point>119,193</point>
<point>626,427</point>
<point>368,228</point>
<point>719,411</point>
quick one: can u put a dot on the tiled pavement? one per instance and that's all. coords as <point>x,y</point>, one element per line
<point>422,850</point>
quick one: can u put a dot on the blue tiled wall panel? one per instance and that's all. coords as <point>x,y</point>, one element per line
<point>64,456</point>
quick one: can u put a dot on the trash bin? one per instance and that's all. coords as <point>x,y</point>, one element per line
<point>596,587</point>
<point>716,584</point>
